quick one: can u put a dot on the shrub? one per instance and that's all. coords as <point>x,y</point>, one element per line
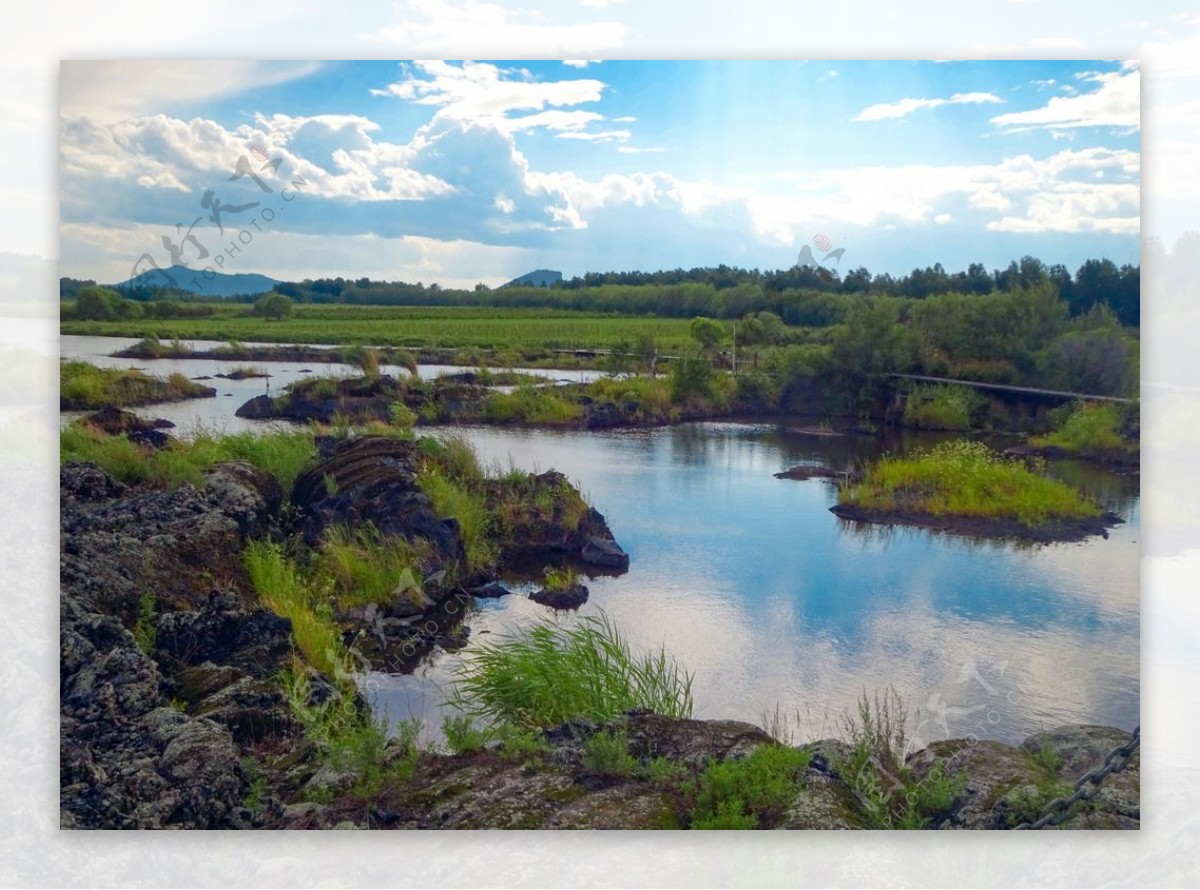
<point>550,674</point>
<point>943,408</point>
<point>691,375</point>
<point>274,306</point>
<point>607,754</point>
<point>751,792</point>
<point>1089,429</point>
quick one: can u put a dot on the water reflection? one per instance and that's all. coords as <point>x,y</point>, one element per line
<point>754,585</point>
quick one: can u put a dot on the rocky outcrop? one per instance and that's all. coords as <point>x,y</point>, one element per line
<point>373,479</point>
<point>151,585</point>
<point>115,422</point>
<point>360,399</point>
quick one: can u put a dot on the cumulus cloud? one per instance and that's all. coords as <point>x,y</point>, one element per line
<point>1116,103</point>
<point>905,107</point>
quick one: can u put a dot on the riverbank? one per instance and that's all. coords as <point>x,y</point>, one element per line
<point>174,713</point>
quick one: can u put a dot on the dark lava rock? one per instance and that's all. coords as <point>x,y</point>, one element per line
<point>604,552</point>
<point>600,415</point>
<point>258,408</point>
<point>489,591</point>
<point>808,472</point>
<point>127,758</point>
<point>358,398</point>
<point>983,527</point>
<point>564,598</point>
<point>116,422</point>
<point>374,479</point>
<point>256,641</point>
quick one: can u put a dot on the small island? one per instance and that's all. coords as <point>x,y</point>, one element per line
<point>964,487</point>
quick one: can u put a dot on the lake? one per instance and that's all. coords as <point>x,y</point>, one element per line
<point>775,604</point>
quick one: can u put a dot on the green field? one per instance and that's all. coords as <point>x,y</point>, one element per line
<point>454,327</point>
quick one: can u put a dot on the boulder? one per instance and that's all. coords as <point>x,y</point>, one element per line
<point>571,597</point>
<point>604,552</point>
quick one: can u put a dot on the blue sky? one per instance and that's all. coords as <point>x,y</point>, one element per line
<point>459,172</point>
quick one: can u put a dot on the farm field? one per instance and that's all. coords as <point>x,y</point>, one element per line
<point>483,327</point>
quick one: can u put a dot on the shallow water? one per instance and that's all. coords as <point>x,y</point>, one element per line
<point>773,602</point>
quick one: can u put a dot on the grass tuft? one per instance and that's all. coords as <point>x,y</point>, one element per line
<point>551,674</point>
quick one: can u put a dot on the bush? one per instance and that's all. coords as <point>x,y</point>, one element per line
<point>551,674</point>
<point>607,754</point>
<point>1090,429</point>
<point>691,375</point>
<point>273,306</point>
<point>943,408</point>
<point>888,795</point>
<point>748,793</point>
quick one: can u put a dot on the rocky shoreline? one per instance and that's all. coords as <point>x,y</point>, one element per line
<point>173,714</point>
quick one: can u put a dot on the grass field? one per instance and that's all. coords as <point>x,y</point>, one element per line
<point>484,327</point>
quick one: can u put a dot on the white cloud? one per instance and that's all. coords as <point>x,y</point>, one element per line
<point>1055,43</point>
<point>905,107</point>
<point>600,4</point>
<point>484,94</point>
<point>580,63</point>
<point>635,150</point>
<point>1115,104</point>
<point>441,28</point>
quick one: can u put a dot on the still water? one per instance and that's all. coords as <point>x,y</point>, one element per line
<point>774,603</point>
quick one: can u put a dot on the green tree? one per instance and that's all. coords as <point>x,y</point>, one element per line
<point>97,304</point>
<point>275,306</point>
<point>707,332</point>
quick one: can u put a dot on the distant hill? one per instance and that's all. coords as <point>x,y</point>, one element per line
<point>211,284</point>
<point>537,278</point>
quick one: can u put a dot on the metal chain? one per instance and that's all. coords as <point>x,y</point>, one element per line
<point>1087,786</point>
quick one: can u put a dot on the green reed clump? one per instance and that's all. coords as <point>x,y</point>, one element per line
<point>550,674</point>
<point>1088,430</point>
<point>83,387</point>
<point>752,792</point>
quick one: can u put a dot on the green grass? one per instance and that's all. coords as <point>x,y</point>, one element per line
<point>456,500</point>
<point>550,674</point>
<point>284,454</point>
<point>1090,429</point>
<point>532,404</point>
<point>284,589</point>
<point>966,479</point>
<point>559,579</point>
<point>145,628</point>
<point>752,792</point>
<point>367,566</point>
<point>448,327</point>
<point>888,794</point>
<point>83,387</point>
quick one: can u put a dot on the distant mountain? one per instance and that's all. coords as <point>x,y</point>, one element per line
<point>209,284</point>
<point>537,278</point>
